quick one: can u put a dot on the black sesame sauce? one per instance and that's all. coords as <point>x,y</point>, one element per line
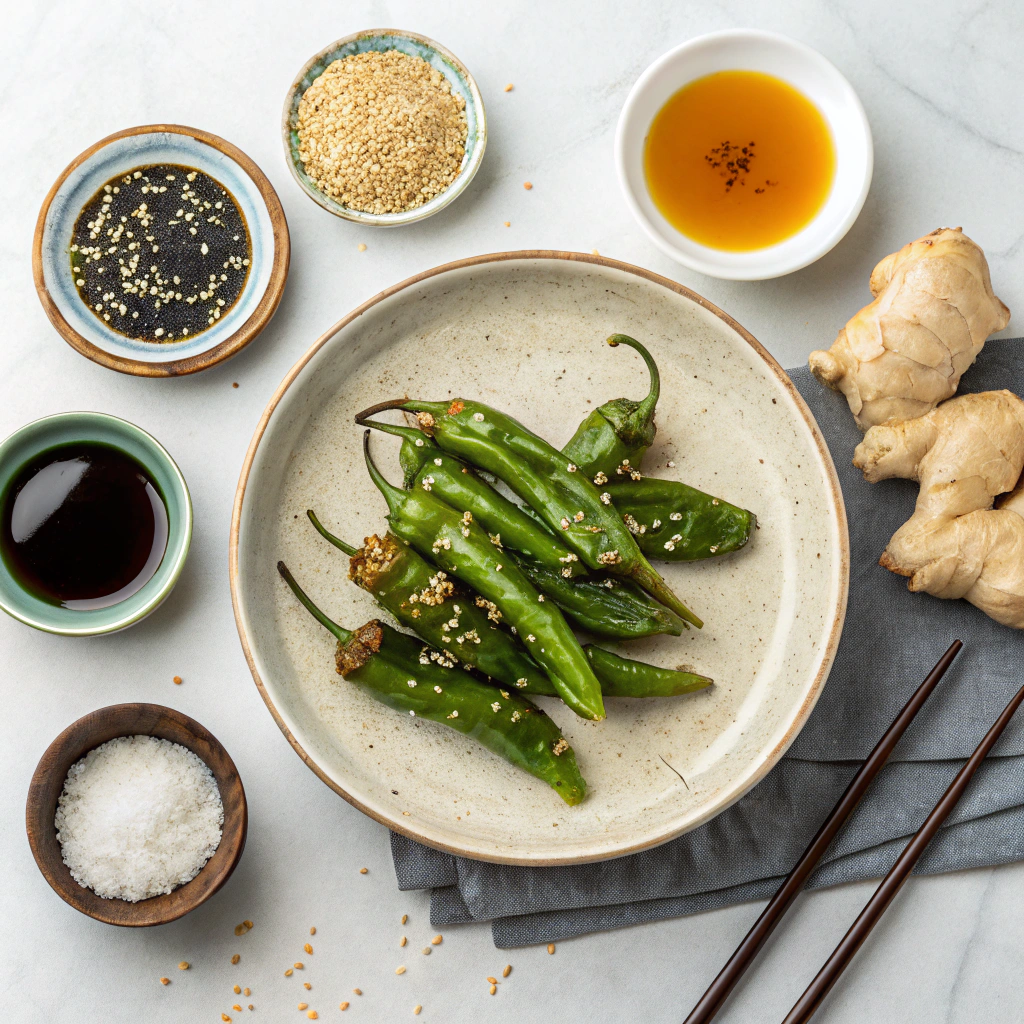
<point>83,526</point>
<point>160,253</point>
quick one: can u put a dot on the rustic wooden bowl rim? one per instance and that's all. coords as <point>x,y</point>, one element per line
<point>234,343</point>
<point>88,733</point>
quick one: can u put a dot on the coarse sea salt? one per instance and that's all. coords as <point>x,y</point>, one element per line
<point>138,817</point>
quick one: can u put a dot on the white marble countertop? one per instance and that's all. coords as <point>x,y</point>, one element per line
<point>941,81</point>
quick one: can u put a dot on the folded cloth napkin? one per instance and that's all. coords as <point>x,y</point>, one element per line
<point>890,640</point>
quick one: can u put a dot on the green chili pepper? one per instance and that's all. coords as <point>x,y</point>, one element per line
<point>543,477</point>
<point>622,677</point>
<point>616,435</point>
<point>610,608</point>
<point>390,667</point>
<point>393,573</point>
<point>460,625</point>
<point>455,543</point>
<point>677,523</point>
<point>508,525</point>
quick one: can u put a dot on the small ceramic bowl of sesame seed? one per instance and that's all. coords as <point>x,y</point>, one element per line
<point>161,250</point>
<point>384,127</point>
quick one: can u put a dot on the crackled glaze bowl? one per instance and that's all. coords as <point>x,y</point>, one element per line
<point>525,332</point>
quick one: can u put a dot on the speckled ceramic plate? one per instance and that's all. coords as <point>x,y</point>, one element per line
<point>525,332</point>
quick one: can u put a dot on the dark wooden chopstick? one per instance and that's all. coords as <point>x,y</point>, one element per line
<point>712,1000</point>
<point>809,1002</point>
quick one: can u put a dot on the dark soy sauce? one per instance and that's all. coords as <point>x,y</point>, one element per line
<point>83,526</point>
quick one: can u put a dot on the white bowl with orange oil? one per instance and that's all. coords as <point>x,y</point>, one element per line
<point>744,155</point>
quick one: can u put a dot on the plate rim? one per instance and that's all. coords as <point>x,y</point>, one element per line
<point>835,631</point>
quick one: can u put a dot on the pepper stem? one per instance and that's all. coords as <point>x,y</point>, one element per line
<point>340,632</point>
<point>413,434</point>
<point>394,496</point>
<point>644,410</point>
<point>648,577</point>
<point>327,535</point>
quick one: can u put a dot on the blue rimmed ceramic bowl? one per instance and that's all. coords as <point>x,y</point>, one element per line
<point>125,151</point>
<point>382,40</point>
<point>67,428</point>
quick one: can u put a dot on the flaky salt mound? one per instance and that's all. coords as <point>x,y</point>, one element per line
<point>138,817</point>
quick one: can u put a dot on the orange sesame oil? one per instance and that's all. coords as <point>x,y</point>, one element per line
<point>739,160</point>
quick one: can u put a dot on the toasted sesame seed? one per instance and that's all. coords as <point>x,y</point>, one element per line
<point>357,991</point>
<point>237,1007</point>
<point>508,224</point>
<point>344,1006</point>
<point>437,940</point>
<point>288,973</point>
<point>237,990</point>
<point>399,970</point>
<point>494,990</point>
<point>312,931</point>
<point>508,970</point>
<point>493,981</point>
<point>527,185</point>
<point>402,941</point>
<point>311,1014</point>
<point>363,871</point>
<point>416,1009</point>
<point>235,959</point>
<point>184,965</point>
<point>298,965</point>
<point>405,917</point>
<point>303,1006</point>
<point>176,680</point>
<point>246,991</point>
<point>306,985</point>
<point>551,947</point>
<point>165,981</point>
<point>225,1017</point>
<point>361,247</point>
<point>308,948</point>
<point>509,87</point>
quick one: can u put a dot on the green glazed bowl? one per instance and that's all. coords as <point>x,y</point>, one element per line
<point>66,428</point>
<point>415,45</point>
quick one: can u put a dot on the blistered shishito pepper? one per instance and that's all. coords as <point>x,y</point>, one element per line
<point>677,523</point>
<point>623,677</point>
<point>461,626</point>
<point>423,598</point>
<point>617,435</point>
<point>426,465</point>
<point>609,607</point>
<point>566,499</point>
<point>455,543</point>
<point>391,668</point>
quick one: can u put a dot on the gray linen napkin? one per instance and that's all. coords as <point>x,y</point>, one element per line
<point>890,640</point>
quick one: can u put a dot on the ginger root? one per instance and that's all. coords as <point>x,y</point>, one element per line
<point>905,352</point>
<point>964,454</point>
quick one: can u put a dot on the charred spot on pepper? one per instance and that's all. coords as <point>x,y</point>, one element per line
<point>364,644</point>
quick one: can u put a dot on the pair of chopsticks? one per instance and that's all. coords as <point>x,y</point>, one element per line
<point>712,1000</point>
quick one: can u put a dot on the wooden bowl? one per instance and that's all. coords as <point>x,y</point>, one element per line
<point>74,743</point>
<point>121,152</point>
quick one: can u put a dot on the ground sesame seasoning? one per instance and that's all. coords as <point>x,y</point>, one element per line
<point>381,132</point>
<point>160,253</point>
